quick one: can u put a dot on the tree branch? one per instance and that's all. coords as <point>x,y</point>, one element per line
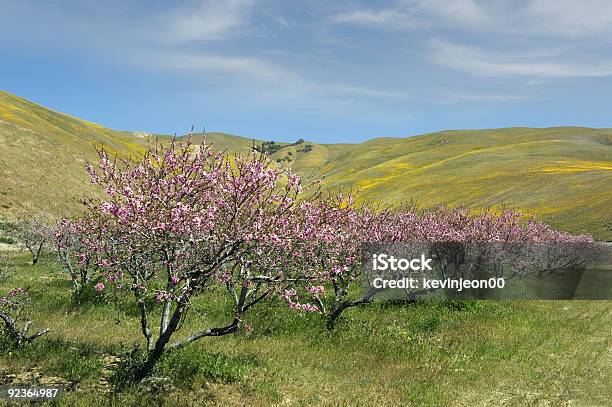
<point>144,323</point>
<point>220,331</point>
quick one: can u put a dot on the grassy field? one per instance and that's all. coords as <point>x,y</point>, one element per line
<point>438,353</point>
<point>430,353</point>
<point>562,174</point>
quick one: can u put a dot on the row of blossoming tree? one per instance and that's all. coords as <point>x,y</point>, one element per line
<point>184,219</point>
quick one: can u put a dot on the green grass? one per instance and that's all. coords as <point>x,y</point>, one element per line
<point>430,353</point>
<point>562,174</point>
<point>71,361</point>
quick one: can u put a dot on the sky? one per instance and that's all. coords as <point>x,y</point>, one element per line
<point>326,71</point>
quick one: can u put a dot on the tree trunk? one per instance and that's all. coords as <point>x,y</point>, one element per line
<point>152,358</point>
<point>171,325</point>
<point>335,313</point>
<point>338,308</point>
<point>35,253</point>
<point>160,345</point>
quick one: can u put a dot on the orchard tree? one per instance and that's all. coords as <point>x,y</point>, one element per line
<point>463,241</point>
<point>469,243</point>
<point>14,315</point>
<point>330,262</point>
<point>75,243</point>
<point>184,218</point>
<point>33,232</point>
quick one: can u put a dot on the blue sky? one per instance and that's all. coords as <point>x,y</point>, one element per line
<point>328,71</point>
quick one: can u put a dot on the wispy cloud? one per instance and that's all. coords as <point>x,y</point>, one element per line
<point>484,97</point>
<point>396,17</point>
<point>206,20</point>
<point>241,68</point>
<point>567,18</point>
<point>484,62</point>
<point>550,18</point>
<point>282,21</point>
<point>257,72</point>
<point>413,14</point>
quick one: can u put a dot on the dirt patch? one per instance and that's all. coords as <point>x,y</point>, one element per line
<point>35,377</point>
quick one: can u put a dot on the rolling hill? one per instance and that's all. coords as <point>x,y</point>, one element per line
<point>43,154</point>
<point>563,174</point>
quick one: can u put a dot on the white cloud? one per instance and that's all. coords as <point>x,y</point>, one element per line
<point>412,14</point>
<point>479,61</point>
<point>467,12</point>
<point>360,91</point>
<point>568,19</point>
<point>242,68</point>
<point>257,71</point>
<point>282,21</point>
<point>388,18</point>
<point>484,97</point>
<point>209,20</point>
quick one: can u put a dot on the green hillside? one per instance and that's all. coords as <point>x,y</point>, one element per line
<point>563,174</point>
<point>43,155</point>
<point>226,142</point>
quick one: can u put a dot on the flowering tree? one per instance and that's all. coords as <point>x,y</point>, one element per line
<point>33,233</point>
<point>13,312</point>
<point>184,218</point>
<point>75,242</point>
<point>454,235</point>
<point>329,262</point>
<point>468,243</point>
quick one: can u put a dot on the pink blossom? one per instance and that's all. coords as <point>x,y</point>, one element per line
<point>106,207</point>
<point>316,289</point>
<point>161,296</point>
<point>309,308</point>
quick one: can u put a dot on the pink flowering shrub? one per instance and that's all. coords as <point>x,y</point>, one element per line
<point>330,262</point>
<point>459,234</point>
<point>182,219</point>
<point>13,313</point>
